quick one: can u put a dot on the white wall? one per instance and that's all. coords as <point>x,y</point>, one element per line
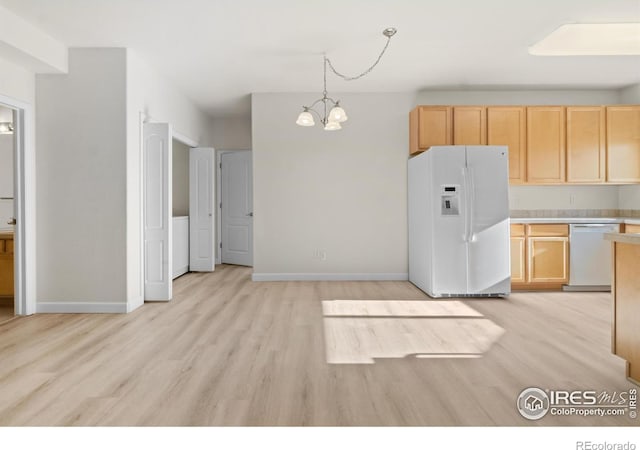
<point>629,196</point>
<point>517,97</point>
<point>180,183</point>
<point>343,193</point>
<point>17,82</point>
<point>6,172</point>
<point>231,133</point>
<point>151,96</point>
<point>563,197</point>
<point>80,169</point>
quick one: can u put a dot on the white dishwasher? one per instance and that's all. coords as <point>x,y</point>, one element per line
<point>590,256</point>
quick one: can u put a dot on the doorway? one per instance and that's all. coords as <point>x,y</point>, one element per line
<point>235,201</point>
<point>17,218</point>
<point>7,217</point>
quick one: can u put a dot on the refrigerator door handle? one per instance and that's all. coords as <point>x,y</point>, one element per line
<point>472,190</point>
<point>467,206</point>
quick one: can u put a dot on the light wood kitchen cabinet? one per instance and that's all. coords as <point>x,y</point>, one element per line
<point>518,254</point>
<point>631,228</point>
<point>545,144</point>
<point>586,155</point>
<point>506,125</point>
<point>6,264</point>
<point>539,256</point>
<point>623,144</point>
<point>469,125</point>
<point>625,290</point>
<point>428,126</point>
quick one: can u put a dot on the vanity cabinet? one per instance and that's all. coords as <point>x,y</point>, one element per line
<point>6,264</point>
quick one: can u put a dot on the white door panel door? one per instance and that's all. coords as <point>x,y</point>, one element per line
<point>201,201</point>
<point>157,211</point>
<point>237,208</point>
<point>449,224</point>
<point>489,254</point>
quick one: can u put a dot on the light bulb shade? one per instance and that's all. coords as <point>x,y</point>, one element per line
<point>337,114</point>
<point>332,126</point>
<point>305,119</point>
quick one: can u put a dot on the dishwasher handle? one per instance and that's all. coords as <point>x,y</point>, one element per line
<point>595,227</point>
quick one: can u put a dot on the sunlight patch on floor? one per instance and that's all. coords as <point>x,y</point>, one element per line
<point>359,331</point>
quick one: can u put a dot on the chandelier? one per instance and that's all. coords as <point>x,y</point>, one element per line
<point>336,115</point>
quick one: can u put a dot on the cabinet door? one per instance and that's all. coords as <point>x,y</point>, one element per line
<point>6,267</point>
<point>623,144</point>
<point>585,144</point>
<point>506,125</point>
<point>434,126</point>
<point>469,125</point>
<point>545,145</point>
<point>548,259</point>
<point>518,259</point>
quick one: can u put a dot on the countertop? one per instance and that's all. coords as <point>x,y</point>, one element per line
<point>625,238</point>
<point>629,220</point>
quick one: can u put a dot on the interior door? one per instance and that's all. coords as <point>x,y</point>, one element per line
<point>489,251</point>
<point>201,201</point>
<point>237,208</point>
<point>157,211</point>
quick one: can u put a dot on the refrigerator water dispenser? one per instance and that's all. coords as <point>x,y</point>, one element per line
<point>450,200</point>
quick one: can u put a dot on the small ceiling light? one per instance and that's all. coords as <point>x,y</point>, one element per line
<point>591,39</point>
<point>336,115</point>
<point>6,128</point>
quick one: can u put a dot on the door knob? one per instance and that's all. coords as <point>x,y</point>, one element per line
<point>250,214</point>
<point>12,221</point>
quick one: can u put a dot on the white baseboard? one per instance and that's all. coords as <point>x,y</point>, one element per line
<point>330,277</point>
<point>80,307</point>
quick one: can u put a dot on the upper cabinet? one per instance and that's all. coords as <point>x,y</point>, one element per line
<point>623,144</point>
<point>469,125</point>
<point>586,144</point>
<point>506,125</point>
<point>429,126</point>
<point>545,144</point>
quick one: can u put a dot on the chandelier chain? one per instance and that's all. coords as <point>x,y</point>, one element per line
<point>348,78</point>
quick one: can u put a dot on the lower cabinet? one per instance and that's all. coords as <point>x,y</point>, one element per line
<point>539,256</point>
<point>6,266</point>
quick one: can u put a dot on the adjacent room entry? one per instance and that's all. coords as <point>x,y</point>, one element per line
<point>236,186</point>
<point>162,249</point>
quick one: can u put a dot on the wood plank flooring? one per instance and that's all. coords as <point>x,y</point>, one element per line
<point>6,312</point>
<point>227,351</point>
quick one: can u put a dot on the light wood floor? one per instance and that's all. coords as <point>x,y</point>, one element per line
<point>227,351</point>
<point>6,312</point>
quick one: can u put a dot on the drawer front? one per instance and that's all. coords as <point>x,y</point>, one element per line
<point>631,228</point>
<point>517,229</point>
<point>548,230</point>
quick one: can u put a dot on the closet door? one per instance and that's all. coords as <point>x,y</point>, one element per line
<point>158,252</point>
<point>201,201</point>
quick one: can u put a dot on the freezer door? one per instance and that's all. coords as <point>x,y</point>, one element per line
<point>449,253</point>
<point>489,270</point>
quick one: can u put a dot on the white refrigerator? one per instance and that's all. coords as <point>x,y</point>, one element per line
<point>459,221</point>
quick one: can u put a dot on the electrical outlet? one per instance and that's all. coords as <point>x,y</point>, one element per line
<point>320,255</point>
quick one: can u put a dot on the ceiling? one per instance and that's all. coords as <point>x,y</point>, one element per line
<point>217,52</point>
